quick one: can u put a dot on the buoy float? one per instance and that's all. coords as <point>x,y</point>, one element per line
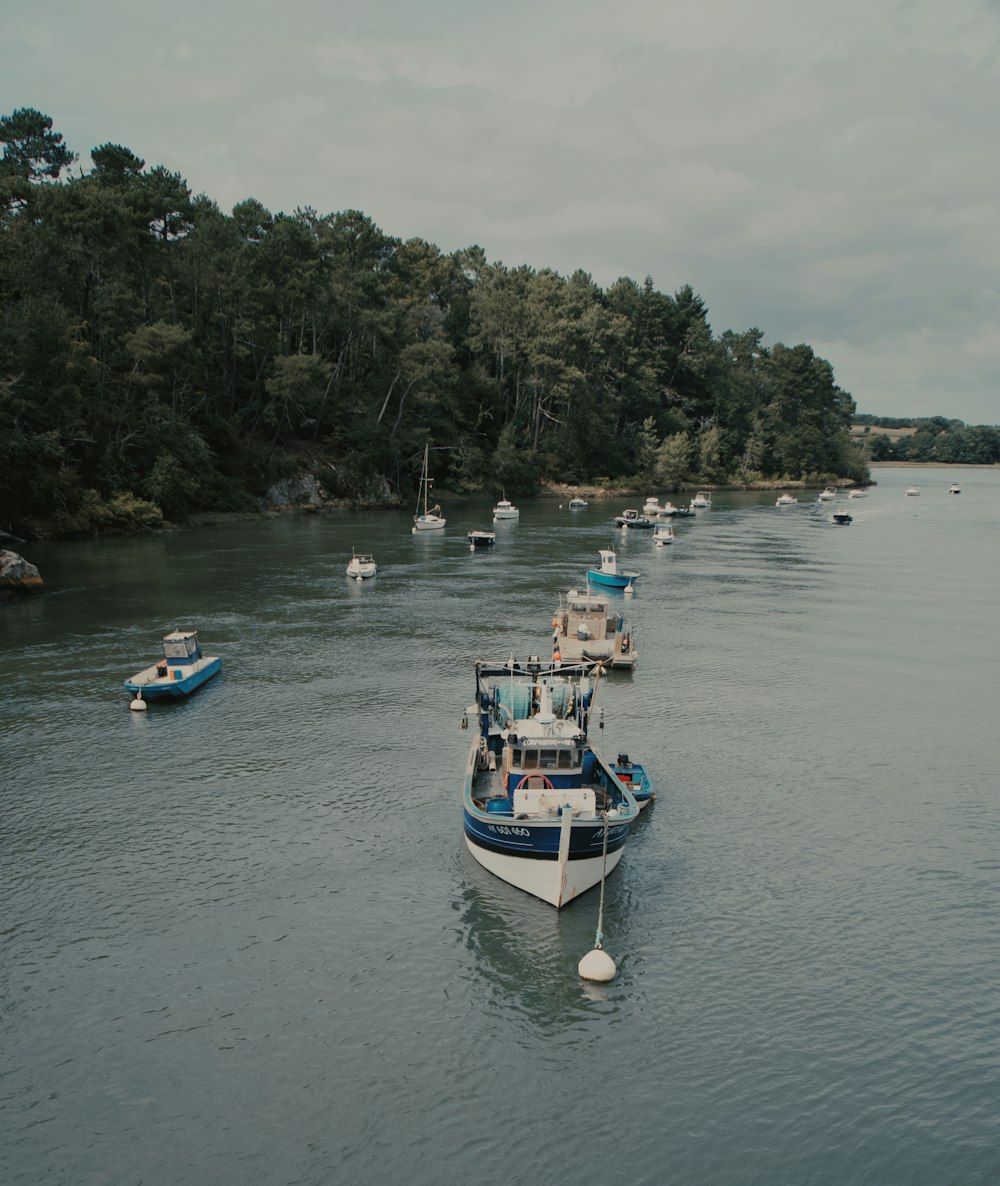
<point>629,591</point>
<point>597,965</point>
<point>556,657</point>
<point>138,704</point>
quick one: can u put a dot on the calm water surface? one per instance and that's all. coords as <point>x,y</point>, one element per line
<point>242,941</point>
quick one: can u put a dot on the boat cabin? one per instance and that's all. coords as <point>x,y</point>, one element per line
<point>180,649</point>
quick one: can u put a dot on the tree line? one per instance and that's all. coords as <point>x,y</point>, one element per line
<point>934,438</point>
<point>159,356</point>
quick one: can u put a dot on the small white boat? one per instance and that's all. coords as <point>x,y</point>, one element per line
<point>578,504</point>
<point>702,500</point>
<point>430,519</point>
<point>857,492</point>
<point>505,509</point>
<point>479,540</point>
<point>828,494</point>
<point>651,506</point>
<point>663,535</point>
<point>786,500</point>
<point>954,488</point>
<point>669,511</point>
<point>912,491</point>
<point>630,517</point>
<point>362,566</point>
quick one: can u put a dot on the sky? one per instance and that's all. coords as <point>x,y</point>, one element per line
<point>827,171</point>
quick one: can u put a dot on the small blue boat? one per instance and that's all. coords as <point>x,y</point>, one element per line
<point>544,811</point>
<point>608,573</point>
<point>636,779</point>
<point>182,669</point>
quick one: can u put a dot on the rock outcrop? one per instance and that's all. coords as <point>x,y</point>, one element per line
<point>17,575</point>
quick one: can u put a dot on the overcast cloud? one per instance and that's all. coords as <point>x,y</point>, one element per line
<point>827,172</point>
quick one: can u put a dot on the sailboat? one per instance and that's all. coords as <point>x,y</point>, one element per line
<point>429,520</point>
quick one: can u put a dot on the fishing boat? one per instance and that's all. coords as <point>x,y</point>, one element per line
<point>361,566</point>
<point>663,535</point>
<point>632,518</point>
<point>505,509</point>
<point>182,669</point>
<point>786,500</point>
<point>954,488</point>
<point>842,518</point>
<point>585,627</point>
<point>429,519</point>
<point>636,779</point>
<point>608,573</point>
<point>578,504</point>
<point>480,540</point>
<point>701,501</point>
<point>543,809</point>
<point>828,494</point>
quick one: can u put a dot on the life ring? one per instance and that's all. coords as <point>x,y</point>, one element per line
<point>544,777</point>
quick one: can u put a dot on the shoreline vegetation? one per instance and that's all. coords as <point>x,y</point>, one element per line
<point>162,359</point>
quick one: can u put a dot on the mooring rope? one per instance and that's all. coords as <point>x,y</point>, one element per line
<point>599,940</point>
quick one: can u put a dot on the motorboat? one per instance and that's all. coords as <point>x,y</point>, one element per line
<point>651,506</point>
<point>842,518</point>
<point>828,495</point>
<point>362,566</point>
<point>912,491</point>
<point>857,492</point>
<point>182,669</point>
<point>543,809</point>
<point>786,500</point>
<point>669,511</point>
<point>632,518</point>
<point>702,500</point>
<point>585,628</point>
<point>479,540</point>
<point>578,504</point>
<point>608,573</point>
<point>505,509</point>
<point>429,519</point>
<point>663,535</point>
<point>954,488</point>
<point>636,778</point>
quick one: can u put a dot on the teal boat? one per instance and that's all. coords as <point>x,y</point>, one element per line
<point>182,669</point>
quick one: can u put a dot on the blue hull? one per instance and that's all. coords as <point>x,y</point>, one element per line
<point>611,582</point>
<point>176,688</point>
<point>540,842</point>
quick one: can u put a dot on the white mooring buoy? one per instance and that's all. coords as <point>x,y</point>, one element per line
<point>138,704</point>
<point>597,964</point>
<point>628,591</point>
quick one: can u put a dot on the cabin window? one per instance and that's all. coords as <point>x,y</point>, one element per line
<point>548,759</point>
<point>568,758</point>
<point>530,760</point>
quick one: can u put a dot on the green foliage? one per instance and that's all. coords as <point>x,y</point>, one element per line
<point>151,343</point>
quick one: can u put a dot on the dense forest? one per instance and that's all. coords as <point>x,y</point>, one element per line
<point>159,357</point>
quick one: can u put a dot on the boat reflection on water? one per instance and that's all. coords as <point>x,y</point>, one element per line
<point>527,954</point>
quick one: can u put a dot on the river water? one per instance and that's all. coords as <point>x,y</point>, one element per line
<point>242,941</point>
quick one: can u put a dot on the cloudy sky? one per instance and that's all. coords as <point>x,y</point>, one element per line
<point>825,170</point>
